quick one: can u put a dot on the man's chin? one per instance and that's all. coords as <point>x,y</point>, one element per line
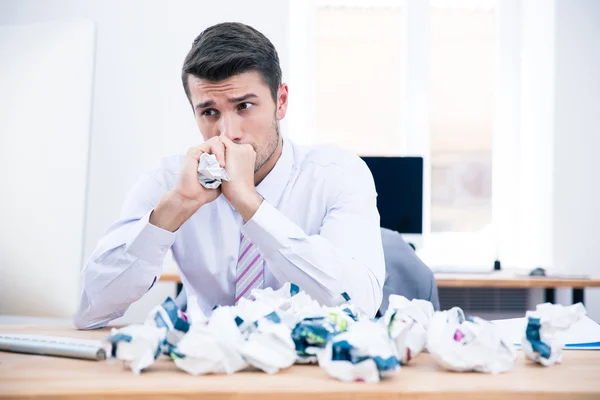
<point>257,167</point>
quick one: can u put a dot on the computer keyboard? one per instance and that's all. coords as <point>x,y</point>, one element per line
<point>53,346</point>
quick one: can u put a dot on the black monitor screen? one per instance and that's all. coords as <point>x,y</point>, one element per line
<point>399,185</point>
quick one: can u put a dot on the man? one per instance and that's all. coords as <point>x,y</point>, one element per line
<point>288,214</point>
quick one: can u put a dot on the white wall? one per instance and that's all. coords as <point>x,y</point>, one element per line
<point>534,222</point>
<point>577,142</point>
<point>140,112</point>
<point>559,140</point>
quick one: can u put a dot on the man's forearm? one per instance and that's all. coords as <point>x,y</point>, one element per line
<point>324,269</point>
<point>109,282</point>
<point>172,211</point>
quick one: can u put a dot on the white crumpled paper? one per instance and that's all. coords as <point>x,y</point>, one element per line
<point>310,324</point>
<point>210,173</point>
<point>541,342</point>
<point>233,338</point>
<point>313,332</point>
<point>473,344</point>
<point>407,322</point>
<point>363,353</point>
<point>420,310</point>
<point>269,345</point>
<point>289,302</point>
<point>139,345</point>
<point>213,346</point>
<point>271,332</point>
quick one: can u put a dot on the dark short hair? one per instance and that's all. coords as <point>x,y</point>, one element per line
<point>228,49</point>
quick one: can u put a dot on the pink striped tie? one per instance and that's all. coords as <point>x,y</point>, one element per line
<point>249,273</point>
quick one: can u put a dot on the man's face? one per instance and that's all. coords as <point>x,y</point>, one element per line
<point>241,108</point>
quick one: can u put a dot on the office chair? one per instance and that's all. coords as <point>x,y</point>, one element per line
<point>405,273</point>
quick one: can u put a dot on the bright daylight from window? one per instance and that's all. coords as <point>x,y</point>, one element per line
<point>365,46</point>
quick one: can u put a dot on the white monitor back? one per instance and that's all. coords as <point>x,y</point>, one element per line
<point>46,76</point>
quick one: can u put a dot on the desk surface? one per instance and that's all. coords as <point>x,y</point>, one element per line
<point>578,377</point>
<point>504,279</point>
<point>500,279</point>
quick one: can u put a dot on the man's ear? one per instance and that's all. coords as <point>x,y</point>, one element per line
<point>282,101</point>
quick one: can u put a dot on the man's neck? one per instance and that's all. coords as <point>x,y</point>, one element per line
<point>270,164</point>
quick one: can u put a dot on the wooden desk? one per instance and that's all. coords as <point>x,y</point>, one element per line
<point>21,375</point>
<point>501,279</point>
<point>506,280</point>
<point>497,280</point>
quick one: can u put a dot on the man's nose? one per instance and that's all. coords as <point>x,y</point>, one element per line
<point>230,128</point>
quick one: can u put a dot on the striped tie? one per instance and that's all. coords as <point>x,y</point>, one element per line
<point>249,273</point>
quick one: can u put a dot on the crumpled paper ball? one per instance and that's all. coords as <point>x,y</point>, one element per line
<point>463,344</point>
<point>364,353</point>
<point>210,173</point>
<point>541,341</point>
<point>407,322</point>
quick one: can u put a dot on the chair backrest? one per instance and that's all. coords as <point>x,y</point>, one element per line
<point>405,273</point>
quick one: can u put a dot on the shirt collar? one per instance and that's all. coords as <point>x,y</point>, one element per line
<point>272,186</point>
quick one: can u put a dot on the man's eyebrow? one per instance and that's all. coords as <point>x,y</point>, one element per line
<point>243,98</point>
<point>205,104</point>
<point>210,103</point>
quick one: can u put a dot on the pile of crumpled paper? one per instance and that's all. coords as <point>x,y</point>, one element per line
<point>282,327</point>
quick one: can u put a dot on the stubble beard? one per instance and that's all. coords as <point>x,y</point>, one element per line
<point>263,156</point>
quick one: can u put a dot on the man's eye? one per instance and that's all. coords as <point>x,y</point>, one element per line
<point>210,112</point>
<point>245,106</point>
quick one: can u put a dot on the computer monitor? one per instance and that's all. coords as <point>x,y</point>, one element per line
<point>399,185</point>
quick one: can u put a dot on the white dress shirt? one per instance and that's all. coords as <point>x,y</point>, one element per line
<point>317,227</point>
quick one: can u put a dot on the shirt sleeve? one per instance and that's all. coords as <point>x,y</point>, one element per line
<point>127,260</point>
<point>346,255</point>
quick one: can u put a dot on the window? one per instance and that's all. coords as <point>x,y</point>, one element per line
<point>415,78</point>
<point>360,72</point>
<point>361,91</point>
<point>461,57</point>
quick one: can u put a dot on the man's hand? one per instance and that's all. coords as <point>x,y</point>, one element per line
<point>240,191</point>
<point>188,195</point>
<point>188,186</point>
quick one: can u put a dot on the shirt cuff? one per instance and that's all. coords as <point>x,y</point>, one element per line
<point>149,242</point>
<point>270,230</point>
